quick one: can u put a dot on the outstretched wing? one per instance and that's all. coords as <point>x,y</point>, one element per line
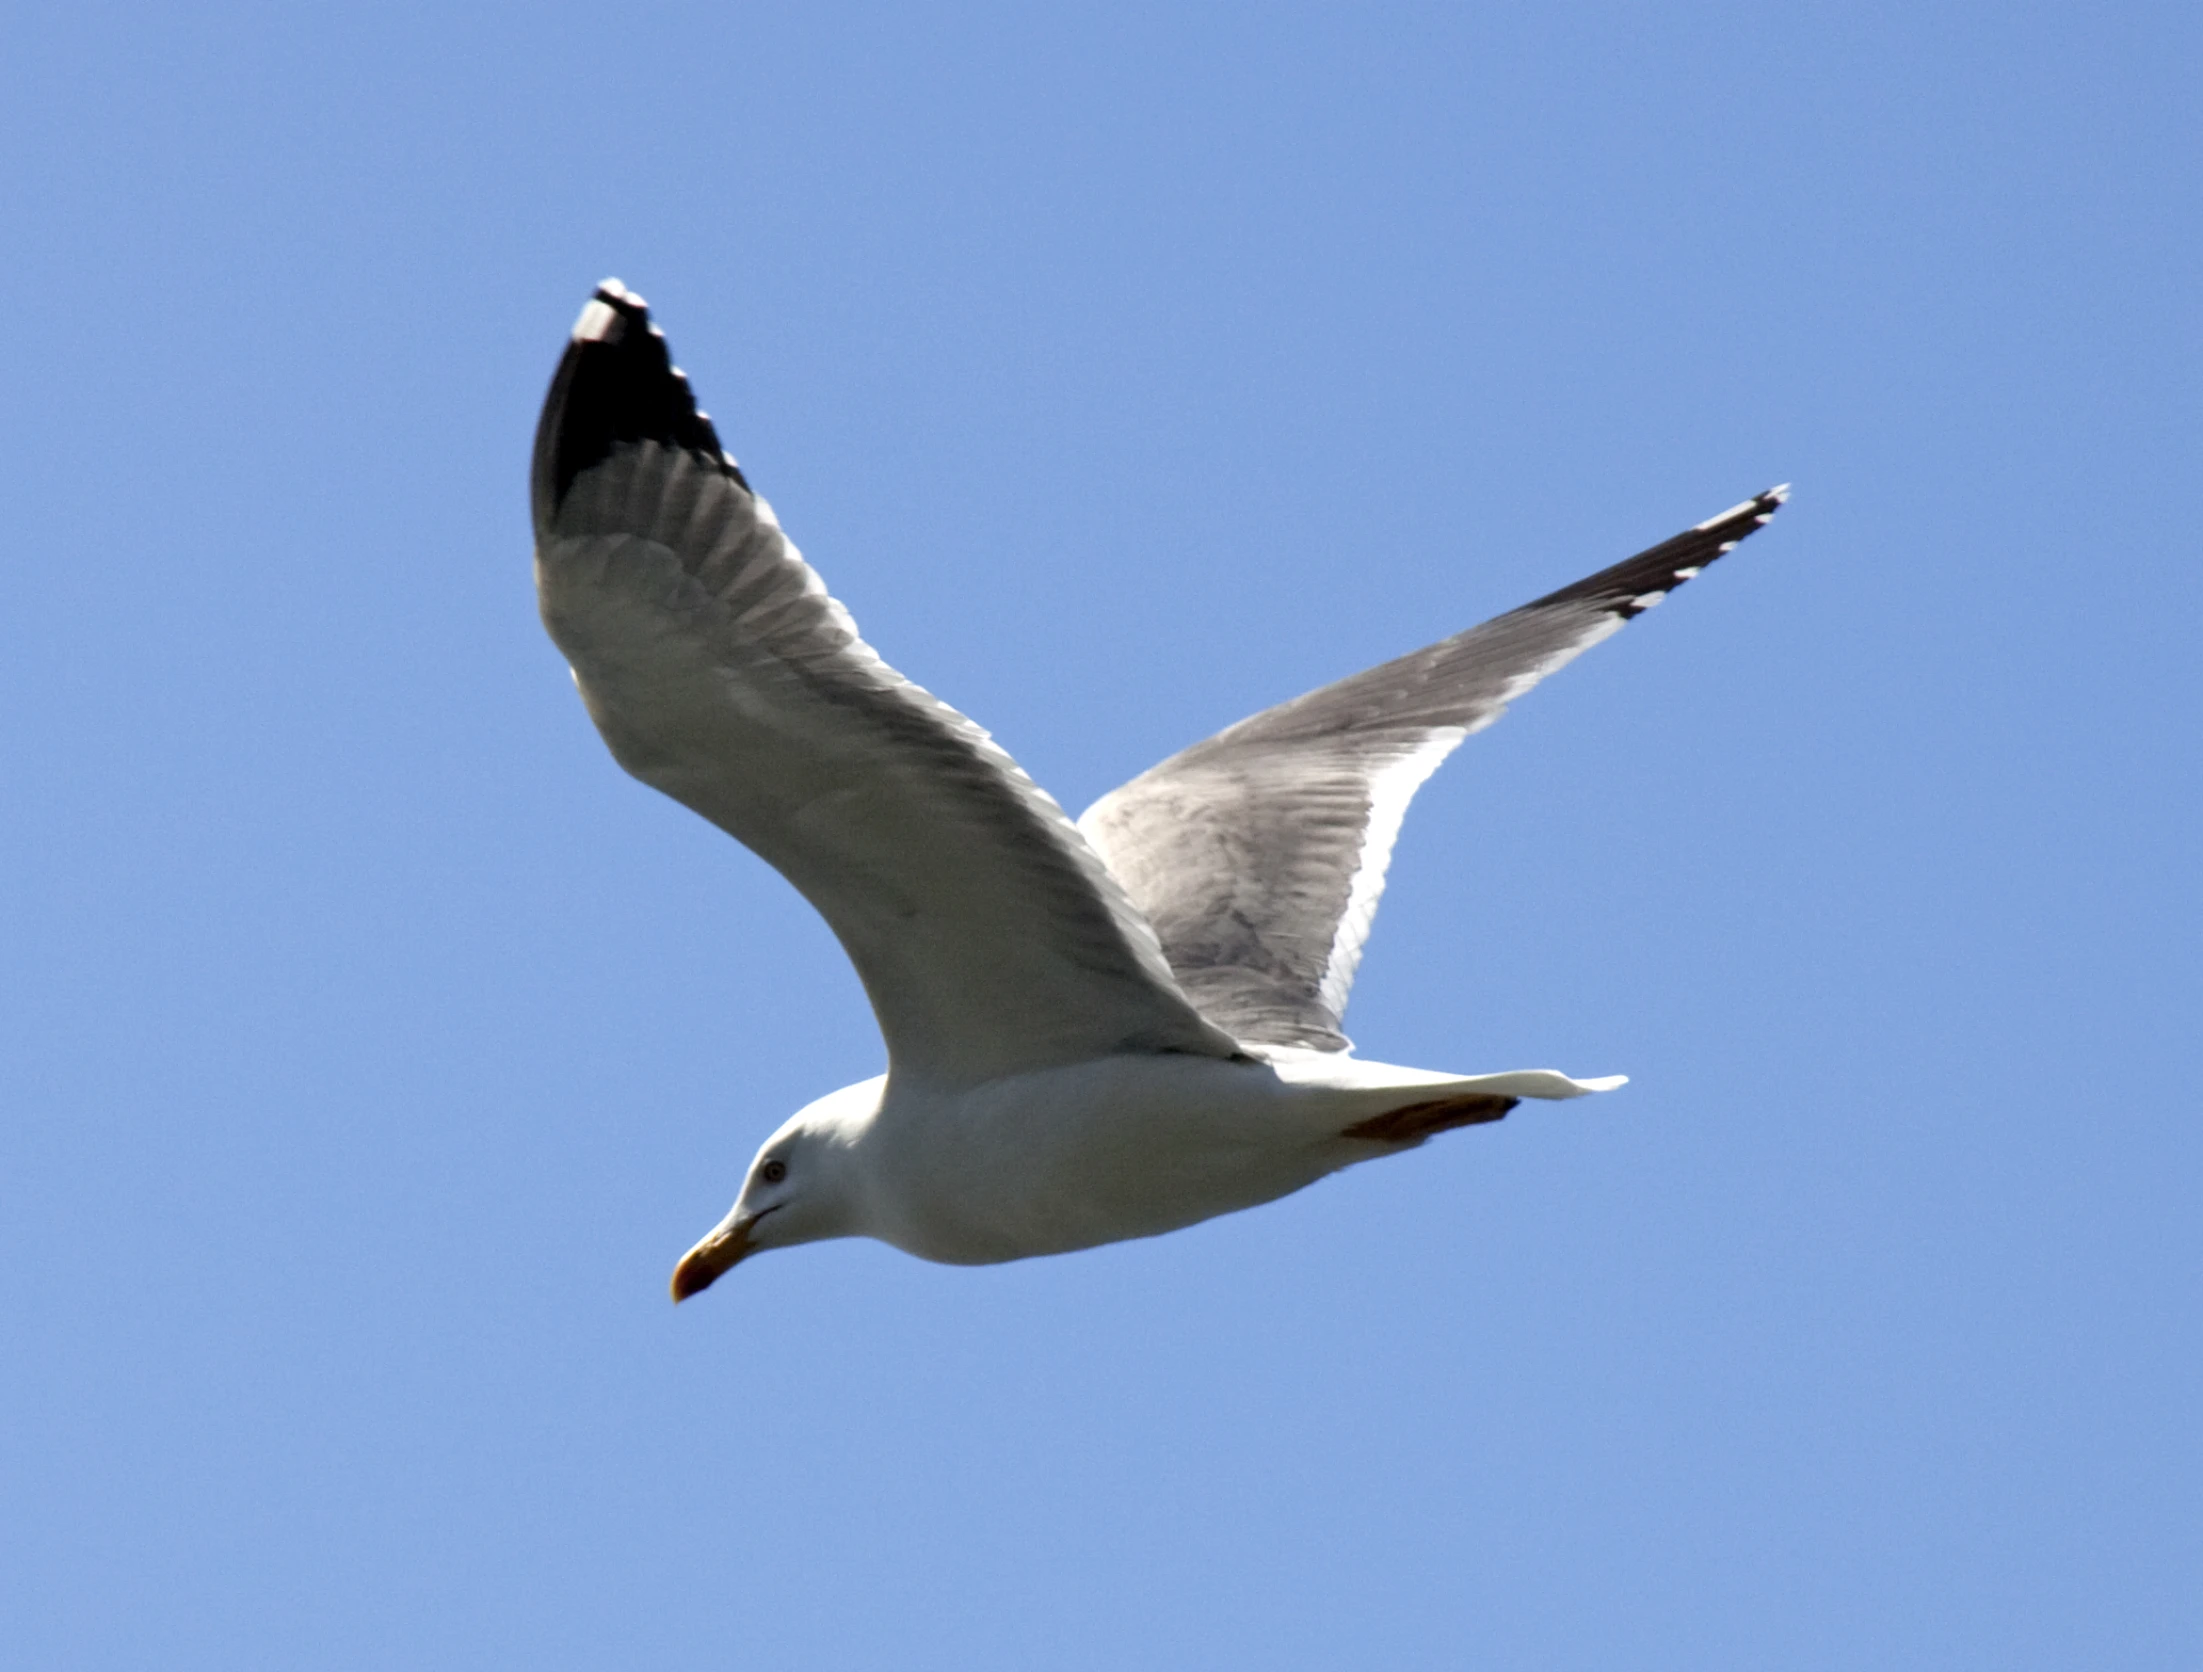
<point>1260,854</point>
<point>989,936</point>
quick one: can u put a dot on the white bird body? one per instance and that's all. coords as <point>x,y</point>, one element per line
<point>1097,1031</point>
<point>1059,1159</point>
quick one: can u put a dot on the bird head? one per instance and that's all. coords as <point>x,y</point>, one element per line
<point>801,1188</point>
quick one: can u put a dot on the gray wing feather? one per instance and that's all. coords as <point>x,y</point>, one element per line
<point>989,936</point>
<point>1259,855</point>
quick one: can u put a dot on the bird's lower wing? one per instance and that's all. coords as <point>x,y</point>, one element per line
<point>989,937</point>
<point>1259,855</point>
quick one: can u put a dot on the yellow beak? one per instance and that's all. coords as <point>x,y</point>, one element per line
<point>712,1259</point>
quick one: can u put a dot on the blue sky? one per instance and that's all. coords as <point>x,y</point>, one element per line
<point>371,1047</point>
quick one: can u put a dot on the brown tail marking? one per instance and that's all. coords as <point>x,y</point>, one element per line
<point>1417,1121</point>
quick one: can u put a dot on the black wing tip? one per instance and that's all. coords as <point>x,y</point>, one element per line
<point>1637,584</point>
<point>617,383</point>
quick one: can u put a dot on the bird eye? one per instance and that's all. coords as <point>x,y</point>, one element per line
<point>773,1171</point>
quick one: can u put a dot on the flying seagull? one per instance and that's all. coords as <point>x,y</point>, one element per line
<point>1095,1031</point>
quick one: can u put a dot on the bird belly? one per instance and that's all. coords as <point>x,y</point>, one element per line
<point>1100,1152</point>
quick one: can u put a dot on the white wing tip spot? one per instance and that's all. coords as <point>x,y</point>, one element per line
<point>1762,504</point>
<point>1645,600</point>
<point>598,323</point>
<point>1691,573</point>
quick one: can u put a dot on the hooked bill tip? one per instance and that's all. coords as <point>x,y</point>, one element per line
<point>692,1277</point>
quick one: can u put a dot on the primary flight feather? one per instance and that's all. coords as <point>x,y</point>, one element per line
<point>1094,1031</point>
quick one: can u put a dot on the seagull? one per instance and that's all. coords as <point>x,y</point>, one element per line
<point>1095,1031</point>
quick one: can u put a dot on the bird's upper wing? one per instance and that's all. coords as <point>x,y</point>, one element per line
<point>1259,855</point>
<point>989,936</point>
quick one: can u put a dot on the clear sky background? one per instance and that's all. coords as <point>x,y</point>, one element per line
<point>371,1047</point>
